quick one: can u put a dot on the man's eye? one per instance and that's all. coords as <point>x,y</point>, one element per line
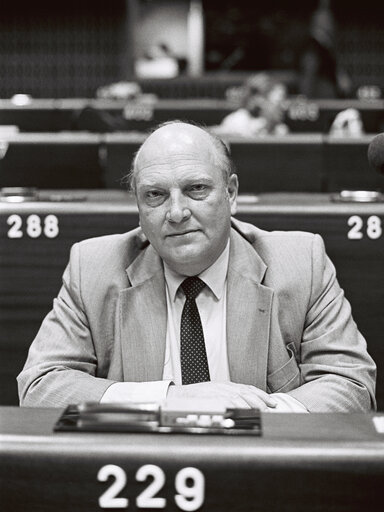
<point>154,197</point>
<point>153,194</point>
<point>199,187</point>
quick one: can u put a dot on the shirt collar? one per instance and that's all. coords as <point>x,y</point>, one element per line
<point>214,276</point>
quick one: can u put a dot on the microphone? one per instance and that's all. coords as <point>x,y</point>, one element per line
<point>376,153</point>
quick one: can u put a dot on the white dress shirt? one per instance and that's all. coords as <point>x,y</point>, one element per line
<point>212,305</point>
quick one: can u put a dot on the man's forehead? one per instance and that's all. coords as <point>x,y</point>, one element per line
<point>183,132</point>
<point>176,141</point>
<point>181,175</point>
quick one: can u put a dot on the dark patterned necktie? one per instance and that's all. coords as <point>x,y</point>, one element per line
<point>193,356</point>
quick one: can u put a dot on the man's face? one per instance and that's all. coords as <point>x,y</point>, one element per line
<point>184,201</point>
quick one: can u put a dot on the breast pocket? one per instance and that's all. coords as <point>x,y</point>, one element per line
<point>287,377</point>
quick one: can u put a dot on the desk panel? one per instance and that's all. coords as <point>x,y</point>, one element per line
<point>52,115</point>
<point>279,164</point>
<point>346,164</point>
<point>295,163</point>
<point>266,164</point>
<point>31,266</point>
<point>47,160</point>
<point>319,462</point>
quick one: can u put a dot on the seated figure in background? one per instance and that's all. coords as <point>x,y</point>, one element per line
<point>261,112</point>
<point>347,123</point>
<point>158,62</point>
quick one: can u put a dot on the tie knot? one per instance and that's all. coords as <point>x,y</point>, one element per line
<point>192,286</point>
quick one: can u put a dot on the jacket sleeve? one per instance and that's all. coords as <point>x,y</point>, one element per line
<point>337,373</point>
<point>62,363</point>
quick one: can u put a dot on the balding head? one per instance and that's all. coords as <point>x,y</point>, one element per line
<point>185,196</point>
<point>179,138</point>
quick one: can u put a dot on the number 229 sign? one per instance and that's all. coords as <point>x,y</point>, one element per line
<point>189,488</point>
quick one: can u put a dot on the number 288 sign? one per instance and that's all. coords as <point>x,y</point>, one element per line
<point>34,226</point>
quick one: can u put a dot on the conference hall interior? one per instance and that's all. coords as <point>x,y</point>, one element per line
<point>295,90</point>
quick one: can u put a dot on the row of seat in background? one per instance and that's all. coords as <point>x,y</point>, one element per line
<point>101,115</point>
<point>295,162</point>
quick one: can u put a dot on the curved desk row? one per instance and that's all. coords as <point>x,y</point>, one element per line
<point>301,462</point>
<point>301,115</point>
<point>36,237</point>
<point>295,163</point>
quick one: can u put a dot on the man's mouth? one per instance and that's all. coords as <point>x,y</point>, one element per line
<point>182,233</point>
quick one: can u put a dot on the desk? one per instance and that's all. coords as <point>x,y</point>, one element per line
<point>306,162</point>
<point>345,165</point>
<point>317,462</point>
<point>31,266</point>
<point>292,163</point>
<point>295,163</point>
<point>51,160</point>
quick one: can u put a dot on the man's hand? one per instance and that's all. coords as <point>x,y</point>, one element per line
<point>227,394</point>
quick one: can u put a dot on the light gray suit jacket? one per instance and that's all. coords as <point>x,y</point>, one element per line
<point>289,327</point>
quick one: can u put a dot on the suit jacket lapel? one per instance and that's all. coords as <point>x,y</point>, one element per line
<point>248,314</point>
<point>143,319</point>
<point>143,316</point>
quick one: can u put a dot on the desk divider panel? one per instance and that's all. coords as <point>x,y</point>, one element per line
<point>295,163</point>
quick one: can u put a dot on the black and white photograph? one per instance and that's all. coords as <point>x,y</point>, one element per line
<point>191,256</point>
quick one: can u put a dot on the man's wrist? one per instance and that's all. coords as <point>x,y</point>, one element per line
<point>153,391</point>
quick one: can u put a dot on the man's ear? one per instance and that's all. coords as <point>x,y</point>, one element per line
<point>232,190</point>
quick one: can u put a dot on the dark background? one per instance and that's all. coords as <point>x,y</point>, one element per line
<point>63,49</point>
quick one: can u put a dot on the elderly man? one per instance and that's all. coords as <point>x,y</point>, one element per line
<point>196,304</point>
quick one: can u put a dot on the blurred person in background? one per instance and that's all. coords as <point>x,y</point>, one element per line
<point>261,111</point>
<point>158,62</point>
<point>320,73</point>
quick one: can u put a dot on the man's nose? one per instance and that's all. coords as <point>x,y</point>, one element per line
<point>178,209</point>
